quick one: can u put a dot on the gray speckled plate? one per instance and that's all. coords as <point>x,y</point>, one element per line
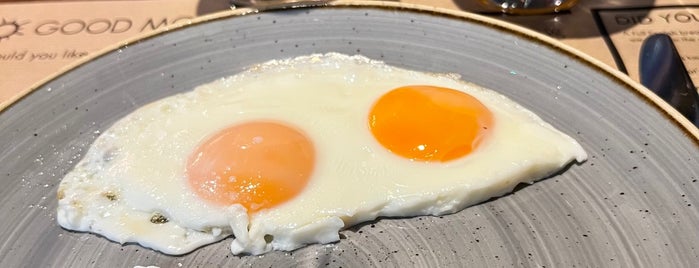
<point>633,203</point>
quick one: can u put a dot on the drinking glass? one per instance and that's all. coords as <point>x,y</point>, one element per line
<point>529,7</point>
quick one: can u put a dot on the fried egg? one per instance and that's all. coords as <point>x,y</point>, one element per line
<point>291,151</point>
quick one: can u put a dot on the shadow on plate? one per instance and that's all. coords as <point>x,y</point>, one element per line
<point>519,187</point>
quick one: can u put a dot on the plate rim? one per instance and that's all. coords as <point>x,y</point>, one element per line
<point>620,78</point>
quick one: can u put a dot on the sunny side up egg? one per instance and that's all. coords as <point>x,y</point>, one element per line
<point>290,152</point>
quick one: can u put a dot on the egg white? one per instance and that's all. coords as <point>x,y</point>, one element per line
<point>135,170</point>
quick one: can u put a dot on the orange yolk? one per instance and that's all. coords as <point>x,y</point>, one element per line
<point>428,123</point>
<point>256,164</point>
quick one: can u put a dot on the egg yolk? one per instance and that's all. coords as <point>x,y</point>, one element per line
<point>256,164</point>
<point>428,123</point>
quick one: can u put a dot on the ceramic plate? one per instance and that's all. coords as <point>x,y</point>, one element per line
<point>633,203</point>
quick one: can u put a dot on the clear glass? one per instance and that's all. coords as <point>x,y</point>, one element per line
<point>529,7</point>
